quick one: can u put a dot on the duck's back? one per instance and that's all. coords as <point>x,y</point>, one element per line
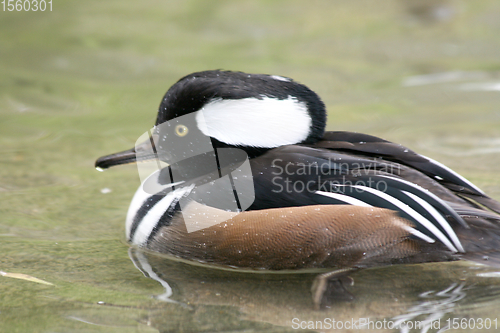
<point>357,169</point>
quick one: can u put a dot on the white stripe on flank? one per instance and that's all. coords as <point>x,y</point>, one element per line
<point>454,173</point>
<point>432,195</point>
<point>446,226</point>
<point>357,202</point>
<point>410,211</point>
<point>418,234</point>
<point>344,198</point>
<point>152,218</point>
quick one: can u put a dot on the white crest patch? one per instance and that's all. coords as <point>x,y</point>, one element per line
<point>264,123</point>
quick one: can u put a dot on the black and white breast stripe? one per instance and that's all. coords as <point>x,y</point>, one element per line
<point>148,212</point>
<point>416,204</point>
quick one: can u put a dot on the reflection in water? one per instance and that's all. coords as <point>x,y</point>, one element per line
<point>434,307</point>
<point>141,263</point>
<point>202,298</point>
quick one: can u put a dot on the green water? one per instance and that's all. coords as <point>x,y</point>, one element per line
<point>86,79</point>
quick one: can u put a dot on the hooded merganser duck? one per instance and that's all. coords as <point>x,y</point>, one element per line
<point>337,200</point>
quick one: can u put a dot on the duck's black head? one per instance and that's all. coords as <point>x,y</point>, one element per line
<point>254,112</point>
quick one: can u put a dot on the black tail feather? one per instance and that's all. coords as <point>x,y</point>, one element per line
<point>485,201</point>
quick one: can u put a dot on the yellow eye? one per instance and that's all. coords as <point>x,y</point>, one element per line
<point>181,130</point>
